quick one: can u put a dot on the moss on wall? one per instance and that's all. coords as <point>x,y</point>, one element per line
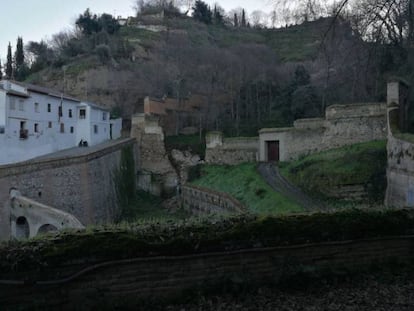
<point>125,182</point>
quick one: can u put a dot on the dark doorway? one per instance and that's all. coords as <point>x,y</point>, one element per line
<point>273,151</point>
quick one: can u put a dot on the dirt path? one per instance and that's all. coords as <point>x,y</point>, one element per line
<point>272,176</point>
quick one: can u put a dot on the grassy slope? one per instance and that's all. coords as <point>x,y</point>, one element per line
<point>245,184</point>
<point>363,163</point>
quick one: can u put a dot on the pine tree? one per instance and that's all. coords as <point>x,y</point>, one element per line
<point>9,64</point>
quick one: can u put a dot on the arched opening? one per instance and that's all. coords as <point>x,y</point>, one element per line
<point>22,228</point>
<point>46,228</point>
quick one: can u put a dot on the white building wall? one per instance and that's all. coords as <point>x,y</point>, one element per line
<point>46,130</point>
<point>115,128</point>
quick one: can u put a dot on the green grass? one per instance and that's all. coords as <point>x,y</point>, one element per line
<point>244,183</point>
<point>363,163</point>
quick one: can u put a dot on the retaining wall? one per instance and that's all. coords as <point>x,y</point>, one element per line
<point>230,151</point>
<point>125,282</point>
<point>200,200</point>
<point>80,185</point>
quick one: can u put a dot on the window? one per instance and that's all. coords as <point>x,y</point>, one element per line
<point>72,129</point>
<point>95,129</point>
<point>104,116</point>
<point>36,107</point>
<point>12,103</point>
<point>21,106</point>
<point>82,114</point>
<point>2,129</point>
<point>70,113</point>
<point>36,127</point>
<point>49,125</point>
<point>60,111</point>
<point>62,127</point>
<point>49,107</point>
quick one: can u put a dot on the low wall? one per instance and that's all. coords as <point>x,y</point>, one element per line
<point>230,151</point>
<point>80,185</point>
<point>200,200</point>
<point>127,282</point>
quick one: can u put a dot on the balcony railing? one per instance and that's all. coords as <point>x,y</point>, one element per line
<point>24,134</point>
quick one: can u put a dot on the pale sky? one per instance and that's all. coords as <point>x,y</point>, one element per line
<point>35,20</point>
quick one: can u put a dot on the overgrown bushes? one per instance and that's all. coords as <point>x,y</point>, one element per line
<point>178,238</point>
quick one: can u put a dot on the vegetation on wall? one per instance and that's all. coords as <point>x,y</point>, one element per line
<point>359,164</point>
<point>125,182</point>
<point>179,238</point>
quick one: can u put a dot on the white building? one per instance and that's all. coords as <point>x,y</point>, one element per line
<point>35,121</point>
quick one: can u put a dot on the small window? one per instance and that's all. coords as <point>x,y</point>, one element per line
<point>104,116</point>
<point>82,114</point>
<point>70,113</point>
<point>95,129</point>
<point>62,127</point>
<point>36,128</point>
<point>2,129</point>
<point>49,107</point>
<point>49,125</point>
<point>36,107</point>
<point>60,111</point>
<point>21,105</point>
<point>12,103</point>
<point>72,129</point>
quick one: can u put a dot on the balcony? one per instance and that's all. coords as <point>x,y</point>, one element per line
<point>24,134</point>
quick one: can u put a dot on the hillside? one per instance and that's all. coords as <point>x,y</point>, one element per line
<point>249,78</point>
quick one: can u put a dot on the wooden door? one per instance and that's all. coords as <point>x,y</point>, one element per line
<point>273,151</point>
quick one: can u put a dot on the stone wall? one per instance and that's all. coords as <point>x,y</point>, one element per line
<point>126,282</point>
<point>343,125</point>
<point>200,200</point>
<point>400,149</point>
<point>230,151</point>
<point>80,185</point>
<point>156,173</point>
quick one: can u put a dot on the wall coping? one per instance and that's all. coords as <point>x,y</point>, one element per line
<point>61,161</point>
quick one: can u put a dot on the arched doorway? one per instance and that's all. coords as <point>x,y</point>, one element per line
<point>22,228</point>
<point>46,228</point>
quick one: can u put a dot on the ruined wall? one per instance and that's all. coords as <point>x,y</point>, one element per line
<point>156,173</point>
<point>200,200</point>
<point>125,282</point>
<point>83,186</point>
<point>230,151</point>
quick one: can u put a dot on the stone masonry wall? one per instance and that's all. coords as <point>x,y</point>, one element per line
<point>125,282</point>
<point>343,125</point>
<point>200,200</point>
<point>400,171</point>
<point>82,186</point>
<point>230,151</point>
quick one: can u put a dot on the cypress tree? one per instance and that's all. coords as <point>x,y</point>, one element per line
<point>9,64</point>
<point>19,60</point>
<point>236,20</point>
<point>243,20</point>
